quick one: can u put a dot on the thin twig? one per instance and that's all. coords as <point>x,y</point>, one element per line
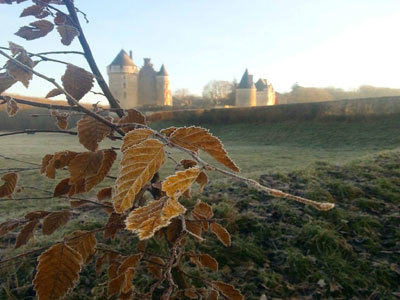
<point>90,59</point>
<point>31,131</point>
<point>69,96</point>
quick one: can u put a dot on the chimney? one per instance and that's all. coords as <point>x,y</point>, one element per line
<point>130,54</point>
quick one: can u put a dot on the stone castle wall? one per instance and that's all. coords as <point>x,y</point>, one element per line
<point>246,97</point>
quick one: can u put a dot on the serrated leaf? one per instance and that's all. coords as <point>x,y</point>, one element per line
<point>6,81</point>
<point>107,162</point>
<point>57,272</point>
<point>221,233</point>
<point>168,131</point>
<point>227,290</point>
<point>82,242</point>
<point>77,81</point>
<point>38,214</point>
<point>34,10</point>
<point>213,295</point>
<point>36,30</point>
<point>104,193</point>
<point>146,220</point>
<point>177,184</point>
<point>62,119</point>
<point>194,227</point>
<point>12,108</point>
<point>7,226</point>
<point>91,132</point>
<point>132,116</point>
<point>116,223</point>
<point>9,185</point>
<point>155,265</point>
<point>208,261</point>
<point>50,163</point>
<point>54,93</point>
<point>195,138</point>
<point>67,33</point>
<point>18,72</point>
<point>138,166</point>
<point>84,165</point>
<point>135,137</point>
<point>26,233</point>
<point>55,220</point>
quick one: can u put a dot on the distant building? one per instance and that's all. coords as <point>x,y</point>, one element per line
<point>135,87</point>
<point>250,94</point>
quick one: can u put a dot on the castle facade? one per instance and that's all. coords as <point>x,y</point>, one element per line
<point>249,94</point>
<point>133,86</point>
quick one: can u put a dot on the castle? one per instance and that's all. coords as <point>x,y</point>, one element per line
<point>135,87</point>
<point>250,94</point>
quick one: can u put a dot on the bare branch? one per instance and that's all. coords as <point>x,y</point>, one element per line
<point>32,131</point>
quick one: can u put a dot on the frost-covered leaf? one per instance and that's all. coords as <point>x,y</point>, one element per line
<point>18,72</point>
<point>57,272</point>
<point>26,233</point>
<point>84,165</point>
<point>177,184</point>
<point>107,161</point>
<point>135,137</point>
<point>91,132</point>
<point>227,290</point>
<point>77,81</point>
<point>9,185</point>
<point>138,166</point>
<point>55,220</point>
<point>35,30</point>
<point>67,33</point>
<point>12,108</point>
<point>221,233</point>
<point>146,220</point>
<point>132,116</point>
<point>82,242</point>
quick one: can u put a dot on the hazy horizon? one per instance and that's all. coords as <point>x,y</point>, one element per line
<point>343,44</point>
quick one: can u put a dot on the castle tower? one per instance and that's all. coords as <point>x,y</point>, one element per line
<point>163,88</point>
<point>147,84</point>
<point>246,91</point>
<point>123,80</point>
<point>262,92</point>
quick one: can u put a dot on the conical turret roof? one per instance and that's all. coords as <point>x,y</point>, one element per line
<point>247,81</point>
<point>163,71</point>
<point>261,84</point>
<point>122,59</point>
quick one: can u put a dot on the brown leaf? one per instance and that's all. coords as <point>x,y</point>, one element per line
<point>100,261</point>
<point>104,193</point>
<point>213,295</point>
<point>38,214</point>
<point>116,222</point>
<point>15,48</point>
<point>54,93</point>
<point>227,290</point>
<point>34,10</point>
<point>9,185</point>
<point>17,71</point>
<point>82,242</point>
<point>62,119</point>
<point>173,230</point>
<point>91,132</point>
<point>202,211</point>
<point>57,161</point>
<point>195,138</point>
<point>6,81</point>
<point>78,203</point>
<point>129,262</point>
<point>188,163</point>
<point>138,166</point>
<point>154,266</point>
<point>62,188</point>
<point>168,131</point>
<point>77,187</point>
<point>107,161</point>
<point>36,30</point>
<point>202,179</point>
<point>77,81</point>
<point>133,116</point>
<point>135,137</point>
<point>12,108</point>
<point>177,184</point>
<point>194,227</point>
<point>115,285</point>
<point>26,233</point>
<point>55,220</point>
<point>7,226</point>
<point>67,33</point>
<point>221,233</point>
<point>84,165</point>
<point>146,220</point>
<point>208,262</point>
<point>60,19</point>
<point>57,272</point>
<point>191,293</point>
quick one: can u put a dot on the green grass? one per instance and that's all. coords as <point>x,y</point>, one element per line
<point>285,248</point>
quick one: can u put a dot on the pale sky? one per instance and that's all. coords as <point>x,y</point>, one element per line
<point>341,43</point>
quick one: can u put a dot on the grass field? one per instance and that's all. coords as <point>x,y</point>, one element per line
<point>353,163</point>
